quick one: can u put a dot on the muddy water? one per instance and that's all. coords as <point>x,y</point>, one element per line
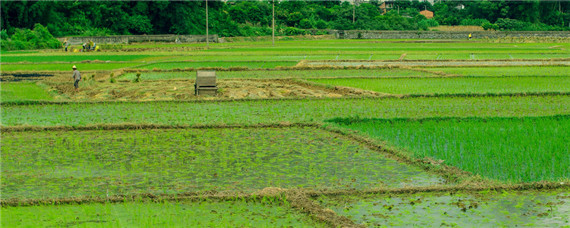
<point>482,209</point>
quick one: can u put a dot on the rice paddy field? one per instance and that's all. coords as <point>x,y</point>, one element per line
<point>439,133</point>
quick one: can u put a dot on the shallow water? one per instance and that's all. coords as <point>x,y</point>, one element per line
<point>482,209</point>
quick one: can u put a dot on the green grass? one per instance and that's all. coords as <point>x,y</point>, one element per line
<point>545,208</point>
<point>73,57</point>
<point>455,85</point>
<point>223,64</point>
<point>22,91</point>
<point>238,213</point>
<point>506,71</point>
<point>275,74</point>
<point>506,149</point>
<point>275,111</point>
<point>38,165</point>
<point>66,66</point>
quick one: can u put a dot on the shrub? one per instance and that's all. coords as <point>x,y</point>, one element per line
<point>291,31</point>
<point>488,26</point>
<point>321,24</point>
<point>423,25</point>
<point>430,22</point>
<point>474,22</point>
<point>23,39</point>
<point>4,35</point>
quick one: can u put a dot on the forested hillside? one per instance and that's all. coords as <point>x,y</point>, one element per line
<point>251,18</point>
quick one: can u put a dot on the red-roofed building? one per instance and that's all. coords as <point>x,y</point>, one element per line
<point>428,14</point>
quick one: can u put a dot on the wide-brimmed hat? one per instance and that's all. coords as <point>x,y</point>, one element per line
<point>74,67</point>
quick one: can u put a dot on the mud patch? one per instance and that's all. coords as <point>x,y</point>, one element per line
<point>184,90</point>
<point>14,77</point>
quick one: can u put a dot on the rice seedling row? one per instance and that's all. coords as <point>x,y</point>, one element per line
<point>454,85</point>
<point>491,147</point>
<point>505,71</point>
<point>276,111</point>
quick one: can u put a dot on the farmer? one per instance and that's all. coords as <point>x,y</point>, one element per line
<point>84,44</point>
<point>76,78</point>
<point>65,44</point>
<point>469,36</point>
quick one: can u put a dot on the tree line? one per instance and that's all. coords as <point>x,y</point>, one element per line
<point>254,18</point>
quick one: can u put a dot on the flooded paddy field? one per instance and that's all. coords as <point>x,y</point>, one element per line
<point>549,208</point>
<point>63,164</point>
<point>308,133</point>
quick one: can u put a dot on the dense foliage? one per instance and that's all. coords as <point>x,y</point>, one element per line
<point>251,18</point>
<point>24,39</point>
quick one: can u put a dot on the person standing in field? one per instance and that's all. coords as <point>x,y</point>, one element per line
<point>76,78</point>
<point>469,36</point>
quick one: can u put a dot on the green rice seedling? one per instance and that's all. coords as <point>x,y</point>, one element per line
<point>171,214</point>
<point>65,66</point>
<point>276,111</point>
<point>455,85</point>
<point>22,91</point>
<point>122,162</point>
<point>73,57</point>
<point>506,71</point>
<point>507,149</point>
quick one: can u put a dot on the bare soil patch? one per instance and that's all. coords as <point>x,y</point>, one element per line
<point>92,90</point>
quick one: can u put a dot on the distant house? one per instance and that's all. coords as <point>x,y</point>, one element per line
<point>428,14</point>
